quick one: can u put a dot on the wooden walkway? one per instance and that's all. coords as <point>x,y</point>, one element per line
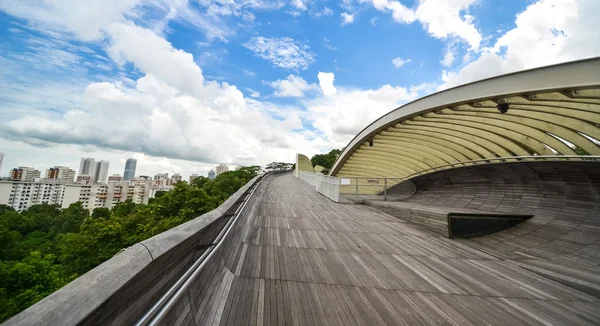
<point>301,259</point>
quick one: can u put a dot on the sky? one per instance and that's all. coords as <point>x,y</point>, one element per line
<point>184,85</point>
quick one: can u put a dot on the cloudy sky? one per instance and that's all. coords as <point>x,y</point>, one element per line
<point>183,85</point>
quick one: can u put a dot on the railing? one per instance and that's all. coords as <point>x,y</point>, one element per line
<point>325,185</point>
<point>141,284</point>
<point>507,159</point>
<point>328,186</point>
<point>158,312</point>
<point>359,188</point>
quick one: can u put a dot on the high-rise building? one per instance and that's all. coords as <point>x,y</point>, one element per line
<point>62,173</point>
<point>176,178</point>
<point>106,195</point>
<point>23,173</point>
<point>101,175</point>
<point>161,180</point>
<point>211,174</point>
<point>1,158</point>
<point>222,168</point>
<point>193,177</point>
<point>84,178</point>
<point>115,178</point>
<point>87,166</point>
<point>21,195</point>
<point>129,172</point>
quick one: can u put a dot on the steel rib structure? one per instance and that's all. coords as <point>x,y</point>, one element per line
<point>552,111</point>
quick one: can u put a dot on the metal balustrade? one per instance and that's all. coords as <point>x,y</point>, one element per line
<point>325,185</point>
<point>365,187</point>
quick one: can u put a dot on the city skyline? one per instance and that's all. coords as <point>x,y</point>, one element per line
<point>113,169</point>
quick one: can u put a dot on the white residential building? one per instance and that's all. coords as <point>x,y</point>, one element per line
<point>61,173</point>
<point>97,170</point>
<point>21,195</point>
<point>115,178</point>
<point>222,168</point>
<point>106,195</point>
<point>23,173</point>
<point>176,178</point>
<point>193,177</point>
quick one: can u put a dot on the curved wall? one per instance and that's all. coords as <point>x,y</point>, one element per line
<point>563,196</point>
<point>552,110</point>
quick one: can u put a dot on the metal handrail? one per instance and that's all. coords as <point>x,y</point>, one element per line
<point>493,160</point>
<point>490,161</point>
<point>166,302</point>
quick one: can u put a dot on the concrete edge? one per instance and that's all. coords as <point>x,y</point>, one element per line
<point>75,301</point>
<point>72,303</point>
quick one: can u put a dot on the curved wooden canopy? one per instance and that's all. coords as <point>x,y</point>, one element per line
<point>552,110</point>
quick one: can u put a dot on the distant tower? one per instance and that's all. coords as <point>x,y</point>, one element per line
<point>101,171</point>
<point>211,174</point>
<point>87,166</point>
<point>1,158</point>
<point>130,166</point>
<point>222,168</point>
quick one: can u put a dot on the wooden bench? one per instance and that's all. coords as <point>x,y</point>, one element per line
<point>451,222</point>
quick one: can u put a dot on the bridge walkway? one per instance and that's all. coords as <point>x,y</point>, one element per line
<point>304,260</point>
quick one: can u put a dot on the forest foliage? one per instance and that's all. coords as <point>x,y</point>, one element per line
<point>326,160</point>
<point>46,247</point>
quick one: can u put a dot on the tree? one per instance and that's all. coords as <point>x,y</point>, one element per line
<point>26,282</point>
<point>70,219</point>
<point>101,212</point>
<point>278,167</point>
<point>326,160</point>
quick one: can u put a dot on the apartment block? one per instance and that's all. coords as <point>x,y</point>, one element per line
<point>23,173</point>
<point>21,195</point>
<point>61,173</point>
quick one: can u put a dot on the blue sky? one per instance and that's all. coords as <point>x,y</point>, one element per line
<point>183,85</point>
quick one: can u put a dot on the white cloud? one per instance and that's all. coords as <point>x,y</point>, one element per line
<point>292,86</point>
<point>546,32</point>
<point>374,21</point>
<point>449,55</point>
<point>252,92</point>
<point>283,52</point>
<point>299,4</point>
<point>339,117</point>
<point>327,11</point>
<point>326,83</point>
<point>400,13</point>
<point>347,18</point>
<point>171,111</point>
<point>399,62</point>
<point>130,43</point>
<point>442,19</point>
<point>84,19</point>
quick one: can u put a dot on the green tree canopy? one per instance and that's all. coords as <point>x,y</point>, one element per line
<point>45,247</point>
<point>326,160</point>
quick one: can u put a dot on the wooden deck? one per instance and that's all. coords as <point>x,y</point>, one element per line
<point>300,259</point>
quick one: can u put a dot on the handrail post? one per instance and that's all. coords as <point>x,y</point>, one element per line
<point>357,190</point>
<point>384,189</point>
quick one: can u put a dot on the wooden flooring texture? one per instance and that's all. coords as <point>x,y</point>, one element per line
<point>299,259</point>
